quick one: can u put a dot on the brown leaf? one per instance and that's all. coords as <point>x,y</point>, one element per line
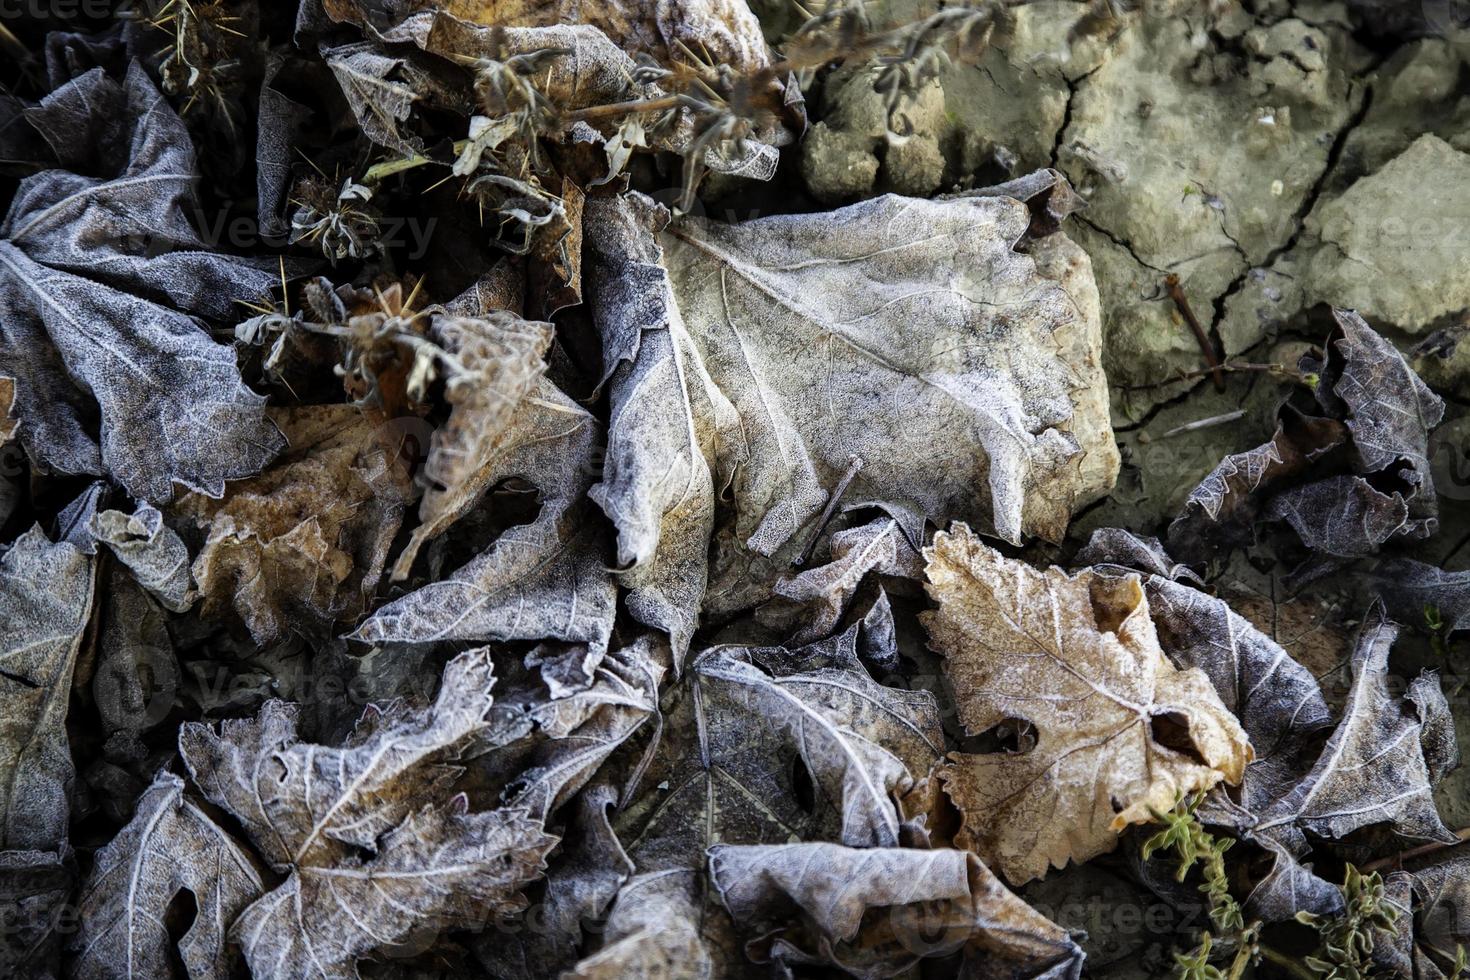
<point>1120,731</point>
<point>303,544</point>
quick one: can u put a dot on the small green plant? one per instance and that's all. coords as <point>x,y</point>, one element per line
<point>1193,844</point>
<point>1345,943</point>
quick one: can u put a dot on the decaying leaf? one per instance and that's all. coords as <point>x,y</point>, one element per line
<point>102,277</point>
<point>374,851</point>
<point>890,296</point>
<point>1348,482</point>
<point>498,359</point>
<point>170,846</point>
<point>35,887</point>
<point>874,913</point>
<point>305,804</point>
<point>151,550</point>
<point>1377,765</point>
<point>670,425</point>
<point>45,602</point>
<point>438,870</point>
<point>1120,732</point>
<point>879,547</point>
<point>1226,506</point>
<point>543,580</point>
<point>303,544</point>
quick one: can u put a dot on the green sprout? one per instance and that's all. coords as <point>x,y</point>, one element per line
<point>1345,942</point>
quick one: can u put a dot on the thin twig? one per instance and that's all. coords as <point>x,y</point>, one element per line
<point>1423,850</point>
<point>1290,964</point>
<point>1228,367</point>
<point>1205,423</point>
<point>1176,293</point>
<point>852,470</point>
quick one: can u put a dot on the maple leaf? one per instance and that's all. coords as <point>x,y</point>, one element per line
<point>372,857</point>
<point>171,845</point>
<point>1120,732</point>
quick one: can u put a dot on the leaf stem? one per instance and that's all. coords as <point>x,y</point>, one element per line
<point>1288,963</point>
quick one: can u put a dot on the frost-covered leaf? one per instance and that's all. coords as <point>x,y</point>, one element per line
<point>573,736</point>
<point>582,880</point>
<point>170,846</point>
<point>1276,699</point>
<point>1226,507</point>
<point>1409,588</point>
<point>153,552</point>
<point>876,912</point>
<point>854,334</point>
<point>499,358</point>
<point>45,602</point>
<point>101,276</point>
<point>1290,887</point>
<point>308,804</point>
<point>35,887</point>
<point>543,580</point>
<point>879,547</point>
<point>1390,411</point>
<point>865,745</point>
<point>381,90</point>
<point>653,931</point>
<point>669,428</point>
<point>1346,483</point>
<point>437,871</point>
<point>1342,516</point>
<point>1374,769</point>
<point>1120,732</point>
<point>303,544</point>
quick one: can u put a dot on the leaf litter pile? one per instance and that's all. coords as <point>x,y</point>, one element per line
<point>611,490</point>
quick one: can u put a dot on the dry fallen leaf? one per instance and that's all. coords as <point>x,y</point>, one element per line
<point>170,846</point>
<point>1120,732</point>
<point>934,903</point>
<point>303,544</point>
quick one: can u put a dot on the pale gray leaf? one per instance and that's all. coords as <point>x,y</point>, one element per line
<point>865,745</point>
<point>45,602</point>
<point>801,319</point>
<point>669,425</point>
<point>932,903</point>
<point>825,591</point>
<point>305,804</point>
<point>154,552</point>
<point>543,580</point>
<point>439,870</point>
<point>170,846</point>
<point>1373,768</point>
